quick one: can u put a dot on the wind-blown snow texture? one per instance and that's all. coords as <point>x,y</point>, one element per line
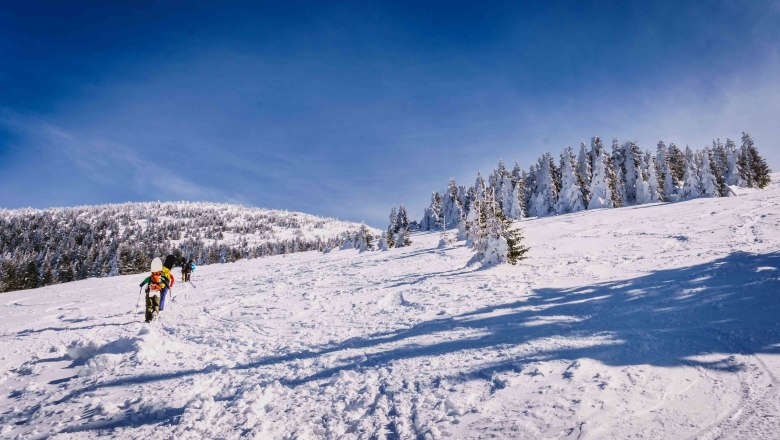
<point>654,321</point>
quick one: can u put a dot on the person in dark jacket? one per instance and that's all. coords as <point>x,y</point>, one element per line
<point>186,270</point>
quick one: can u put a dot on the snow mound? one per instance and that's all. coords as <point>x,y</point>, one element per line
<point>83,349</point>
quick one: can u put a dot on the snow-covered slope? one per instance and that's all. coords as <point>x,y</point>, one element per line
<point>44,247</point>
<point>645,322</point>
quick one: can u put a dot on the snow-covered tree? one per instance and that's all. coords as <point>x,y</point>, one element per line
<point>676,162</point>
<point>570,197</point>
<point>758,172</point>
<point>642,187</point>
<point>479,187</point>
<point>517,173</point>
<point>474,226</point>
<point>401,237</point>
<point>392,227</point>
<point>530,191</point>
<point>691,181</point>
<point>667,182</point>
<point>492,236</point>
<point>452,207</point>
<point>632,162</point>
<point>364,241</point>
<point>709,184</point>
<point>506,191</point>
<point>654,192</point>
<point>517,212</point>
<point>720,159</point>
<point>600,193</point>
<point>584,172</point>
<point>463,230</point>
<point>432,218</point>
<point>546,191</point>
<point>719,164</point>
<point>617,182</point>
<point>733,175</point>
<point>497,182</point>
<point>583,164</point>
<point>346,245</point>
<point>555,172</point>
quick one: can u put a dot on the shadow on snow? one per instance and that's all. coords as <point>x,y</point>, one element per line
<point>666,318</point>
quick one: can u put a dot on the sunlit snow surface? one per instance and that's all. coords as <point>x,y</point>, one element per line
<point>657,321</point>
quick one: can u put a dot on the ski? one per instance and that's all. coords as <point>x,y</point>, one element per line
<point>192,284</point>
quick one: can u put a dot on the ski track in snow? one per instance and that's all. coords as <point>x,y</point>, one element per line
<point>656,321</point>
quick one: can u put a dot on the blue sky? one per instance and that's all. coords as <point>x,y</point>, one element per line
<point>346,109</point>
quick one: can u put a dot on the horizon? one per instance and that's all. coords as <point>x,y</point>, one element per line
<point>346,110</point>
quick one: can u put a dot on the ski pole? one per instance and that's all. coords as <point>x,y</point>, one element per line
<point>137,303</point>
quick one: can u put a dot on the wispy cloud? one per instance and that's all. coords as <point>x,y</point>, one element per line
<point>108,163</point>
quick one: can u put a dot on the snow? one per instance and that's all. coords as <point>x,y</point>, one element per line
<point>652,321</point>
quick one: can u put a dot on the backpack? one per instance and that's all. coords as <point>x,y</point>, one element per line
<point>155,281</point>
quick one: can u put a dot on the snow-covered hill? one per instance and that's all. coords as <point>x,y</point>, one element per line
<point>43,247</point>
<point>658,321</point>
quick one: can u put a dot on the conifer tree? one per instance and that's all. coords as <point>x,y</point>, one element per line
<point>583,164</point>
<point>617,190</point>
<point>65,269</point>
<point>584,173</point>
<point>141,262</point>
<point>709,184</point>
<point>759,171</point>
<point>666,182</point>
<point>506,199</point>
<point>691,182</point>
<point>733,175</point>
<point>642,188</point>
<point>492,236</point>
<point>30,275</point>
<point>745,165</point>
<point>47,276</point>
<point>479,187</point>
<point>453,209</point>
<point>497,182</point>
<point>473,226</point>
<point>555,172</point>
<point>654,192</point>
<point>495,247</point>
<point>600,192</point>
<point>433,214</point>
<point>518,200</point>
<point>530,191</point>
<point>8,280</point>
<point>676,162</point>
<point>383,245</point>
<point>392,227</point>
<point>517,173</point>
<point>126,260</point>
<point>401,238</point>
<point>720,159</point>
<point>570,197</point>
<point>719,166</point>
<point>546,189</point>
<point>617,173</point>
<point>362,239</point>
<point>514,239</point>
<point>632,166</point>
